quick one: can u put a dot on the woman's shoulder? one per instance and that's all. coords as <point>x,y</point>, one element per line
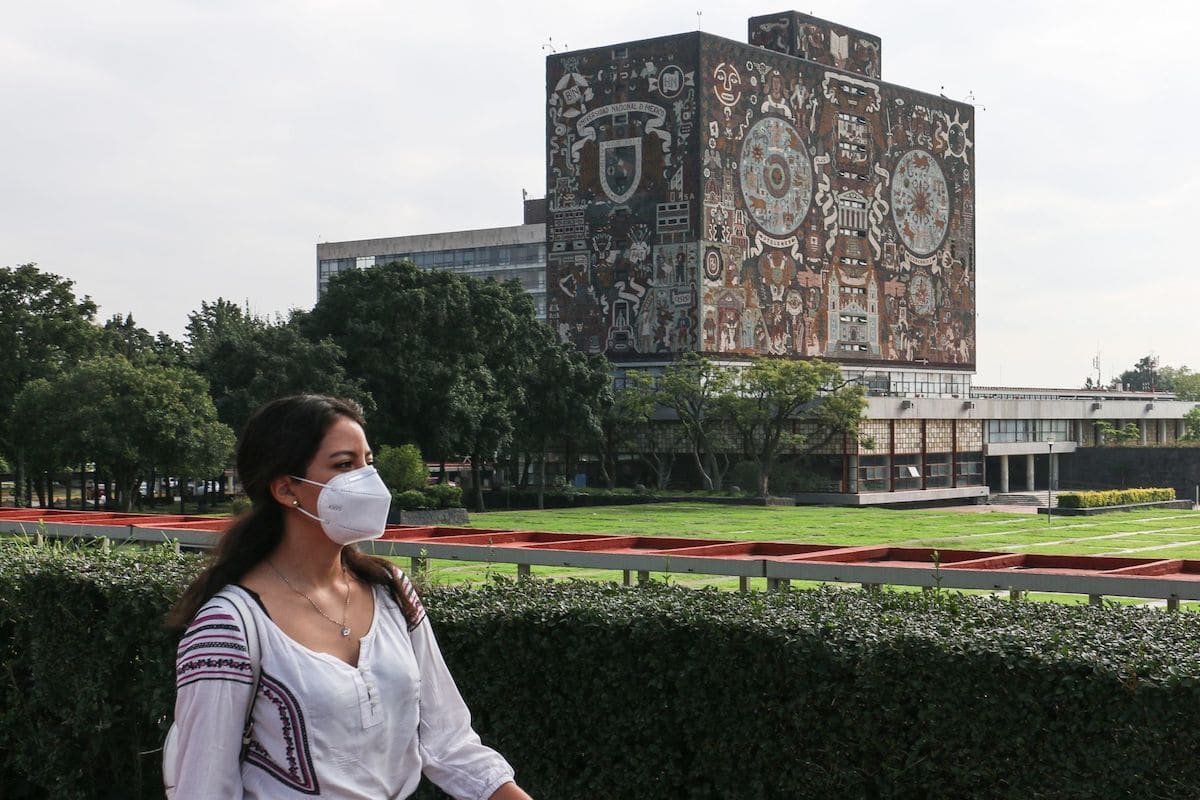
<point>410,605</point>
<point>215,646</point>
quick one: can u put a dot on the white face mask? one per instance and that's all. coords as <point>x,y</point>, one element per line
<point>353,506</point>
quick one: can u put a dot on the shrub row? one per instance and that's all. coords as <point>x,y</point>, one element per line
<point>572,497</point>
<point>1113,497</point>
<point>594,690</point>
<point>435,495</point>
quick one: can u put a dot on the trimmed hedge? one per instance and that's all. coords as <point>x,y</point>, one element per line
<point>86,669</point>
<point>595,690</point>
<point>435,495</point>
<point>1114,497</point>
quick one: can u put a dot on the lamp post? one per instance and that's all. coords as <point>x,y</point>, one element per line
<point>1049,478</point>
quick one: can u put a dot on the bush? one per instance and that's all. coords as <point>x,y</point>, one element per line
<point>443,495</point>
<point>402,468</point>
<point>826,693</point>
<point>682,693</point>
<point>411,500</point>
<point>240,505</point>
<point>84,652</point>
<point>1113,497</point>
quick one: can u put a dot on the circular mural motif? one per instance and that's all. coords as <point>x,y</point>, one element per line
<point>776,176</point>
<point>712,265</point>
<point>920,293</point>
<point>920,202</point>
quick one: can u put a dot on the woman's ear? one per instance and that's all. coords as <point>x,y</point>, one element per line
<point>281,490</point>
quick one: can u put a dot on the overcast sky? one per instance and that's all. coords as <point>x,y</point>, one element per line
<point>161,153</point>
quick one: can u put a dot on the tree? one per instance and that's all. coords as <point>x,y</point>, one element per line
<point>690,387</point>
<point>1184,382</point>
<point>1112,435</point>
<point>770,401</point>
<point>130,420</point>
<point>402,468</point>
<point>623,416</point>
<point>248,361</point>
<point>496,355</point>
<point>39,433</point>
<point>401,330</point>
<point>1191,425</point>
<point>449,360</point>
<point>44,328</point>
<point>1144,376</point>
<point>121,336</point>
<point>564,392</point>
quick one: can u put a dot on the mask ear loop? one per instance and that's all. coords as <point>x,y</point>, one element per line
<point>296,502</point>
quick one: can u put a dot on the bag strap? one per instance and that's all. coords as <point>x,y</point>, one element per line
<point>241,601</point>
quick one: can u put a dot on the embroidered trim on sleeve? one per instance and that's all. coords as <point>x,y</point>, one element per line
<point>414,612</point>
<point>213,648</point>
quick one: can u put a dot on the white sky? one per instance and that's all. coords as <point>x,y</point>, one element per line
<point>160,153</point>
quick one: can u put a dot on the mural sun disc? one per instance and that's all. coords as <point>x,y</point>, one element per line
<point>776,176</point>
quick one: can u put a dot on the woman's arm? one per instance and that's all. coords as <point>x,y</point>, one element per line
<point>214,681</point>
<point>510,791</point>
<point>451,754</point>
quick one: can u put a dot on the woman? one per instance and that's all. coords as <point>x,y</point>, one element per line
<point>340,676</point>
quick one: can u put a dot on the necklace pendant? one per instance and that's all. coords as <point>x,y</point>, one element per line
<point>345,631</point>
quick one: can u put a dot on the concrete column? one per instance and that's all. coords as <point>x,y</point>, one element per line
<point>1142,429</point>
<point>1029,472</point>
<point>1162,431</point>
<point>1003,474</point>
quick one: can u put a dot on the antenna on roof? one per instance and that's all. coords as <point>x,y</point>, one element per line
<point>699,14</point>
<point>970,98</point>
<point>549,45</point>
<point>524,195</point>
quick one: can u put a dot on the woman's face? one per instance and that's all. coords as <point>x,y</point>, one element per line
<point>343,449</point>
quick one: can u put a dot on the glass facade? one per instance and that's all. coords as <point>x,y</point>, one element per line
<point>1027,430</point>
<point>522,262</point>
<point>907,383</point>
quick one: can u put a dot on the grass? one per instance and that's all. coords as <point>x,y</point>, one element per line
<point>1157,534</point>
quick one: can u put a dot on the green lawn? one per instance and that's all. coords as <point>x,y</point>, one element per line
<point>1151,534</point>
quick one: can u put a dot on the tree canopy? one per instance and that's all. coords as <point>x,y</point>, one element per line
<point>248,361</point>
<point>135,419</point>
<point>777,404</point>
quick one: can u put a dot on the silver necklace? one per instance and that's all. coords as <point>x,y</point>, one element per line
<point>345,609</point>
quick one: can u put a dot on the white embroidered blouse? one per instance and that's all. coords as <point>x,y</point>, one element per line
<point>322,727</point>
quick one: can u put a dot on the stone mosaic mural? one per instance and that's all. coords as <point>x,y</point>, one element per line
<point>827,43</point>
<point>710,195</point>
<point>622,250</point>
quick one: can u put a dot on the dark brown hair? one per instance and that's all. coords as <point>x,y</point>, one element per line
<point>281,438</point>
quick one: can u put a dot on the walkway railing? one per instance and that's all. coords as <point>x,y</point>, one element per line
<point>779,563</point>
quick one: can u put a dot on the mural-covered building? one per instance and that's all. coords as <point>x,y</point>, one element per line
<point>774,198</point>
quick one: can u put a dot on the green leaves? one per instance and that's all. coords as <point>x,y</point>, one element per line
<point>596,690</point>
<point>126,418</point>
<point>249,360</point>
<point>1113,497</point>
<point>402,468</point>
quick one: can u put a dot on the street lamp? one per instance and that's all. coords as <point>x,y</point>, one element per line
<point>1049,477</point>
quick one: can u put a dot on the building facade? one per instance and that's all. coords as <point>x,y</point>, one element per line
<point>739,199</point>
<point>516,252</point>
<point>777,198</point>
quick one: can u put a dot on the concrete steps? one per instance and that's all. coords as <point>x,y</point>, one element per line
<point>1021,499</point>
